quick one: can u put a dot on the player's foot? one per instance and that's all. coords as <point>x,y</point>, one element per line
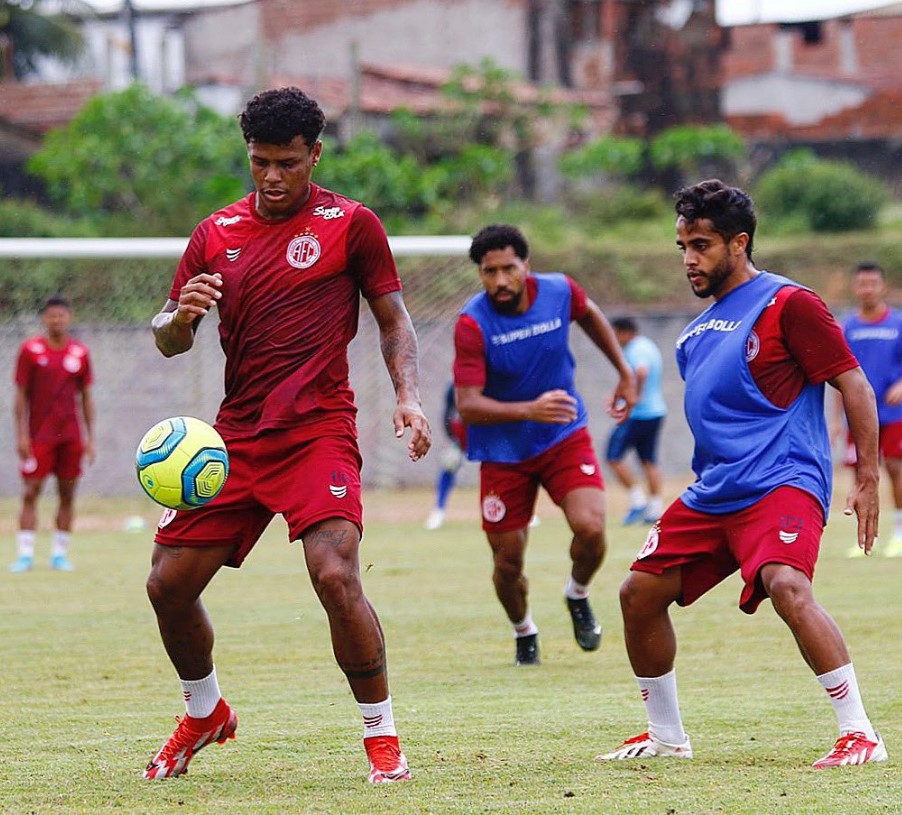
<point>895,547</point>
<point>585,629</point>
<point>634,516</point>
<point>853,748</point>
<point>189,737</point>
<point>61,563</point>
<point>387,762</point>
<point>528,650</point>
<point>23,563</point>
<point>435,520</point>
<point>647,746</point>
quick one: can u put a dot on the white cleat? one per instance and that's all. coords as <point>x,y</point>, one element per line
<point>647,746</point>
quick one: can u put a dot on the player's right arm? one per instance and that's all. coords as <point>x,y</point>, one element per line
<point>20,413</point>
<point>174,327</point>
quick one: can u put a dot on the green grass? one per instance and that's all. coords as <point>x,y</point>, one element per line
<point>88,694</point>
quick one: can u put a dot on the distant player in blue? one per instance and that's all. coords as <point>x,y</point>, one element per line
<point>640,432</point>
<point>526,423</point>
<point>451,461</point>
<point>874,334</point>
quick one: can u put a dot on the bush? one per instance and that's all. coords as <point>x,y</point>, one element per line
<point>828,196</point>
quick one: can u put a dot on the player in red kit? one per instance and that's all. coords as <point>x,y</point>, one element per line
<point>285,268</point>
<point>54,416</point>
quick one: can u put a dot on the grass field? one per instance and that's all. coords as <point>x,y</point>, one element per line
<point>88,694</point>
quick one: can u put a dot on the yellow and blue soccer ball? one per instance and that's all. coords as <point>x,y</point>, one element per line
<point>182,463</point>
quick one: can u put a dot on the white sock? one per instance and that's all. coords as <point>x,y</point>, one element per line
<point>660,696</point>
<point>378,719</point>
<point>25,542</point>
<point>898,531</point>
<point>637,497</point>
<point>574,590</point>
<point>201,695</point>
<point>655,507</point>
<point>842,688</point>
<point>60,544</point>
<point>526,626</point>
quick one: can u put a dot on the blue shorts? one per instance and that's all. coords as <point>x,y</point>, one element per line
<point>640,435</point>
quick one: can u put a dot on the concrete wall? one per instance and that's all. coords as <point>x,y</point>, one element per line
<point>135,387</point>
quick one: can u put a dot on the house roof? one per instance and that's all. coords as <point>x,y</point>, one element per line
<point>39,106</point>
<point>756,12</point>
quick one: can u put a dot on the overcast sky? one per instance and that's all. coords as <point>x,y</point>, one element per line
<point>740,12</point>
<point>729,12</point>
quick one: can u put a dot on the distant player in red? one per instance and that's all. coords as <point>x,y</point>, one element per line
<point>54,414</point>
<point>285,268</point>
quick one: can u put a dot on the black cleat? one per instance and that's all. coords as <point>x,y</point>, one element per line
<point>528,650</point>
<point>585,629</point>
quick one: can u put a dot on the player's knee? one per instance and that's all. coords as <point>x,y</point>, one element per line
<point>336,586</point>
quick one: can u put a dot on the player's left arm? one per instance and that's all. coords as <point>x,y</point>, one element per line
<point>598,329</point>
<point>398,341</point>
<point>87,413</point>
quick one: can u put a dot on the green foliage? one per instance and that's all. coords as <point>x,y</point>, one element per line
<point>688,147</point>
<point>166,162</point>
<point>618,156</point>
<point>28,32</point>
<point>25,219</point>
<point>825,196</point>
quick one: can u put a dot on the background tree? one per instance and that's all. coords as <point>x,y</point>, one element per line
<point>29,31</point>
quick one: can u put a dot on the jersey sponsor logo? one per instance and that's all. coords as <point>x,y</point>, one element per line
<point>223,221</point>
<point>752,346</point>
<point>72,363</point>
<point>36,347</point>
<point>493,508</point>
<point>651,541</point>
<point>709,325</point>
<point>166,518</point>
<point>329,213</point>
<point>233,254</point>
<point>303,251</point>
<point>587,469</point>
<point>525,333</point>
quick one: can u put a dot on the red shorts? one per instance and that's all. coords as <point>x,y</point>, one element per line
<point>305,481</point>
<point>890,444</point>
<point>508,491</point>
<point>62,459</point>
<point>783,527</point>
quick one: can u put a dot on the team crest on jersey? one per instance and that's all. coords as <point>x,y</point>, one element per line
<point>303,251</point>
<point>752,346</point>
<point>166,518</point>
<point>651,541</point>
<point>72,363</point>
<point>493,508</point>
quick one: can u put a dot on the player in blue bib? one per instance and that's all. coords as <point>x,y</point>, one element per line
<point>526,422</point>
<point>755,364</point>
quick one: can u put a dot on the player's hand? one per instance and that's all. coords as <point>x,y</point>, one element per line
<point>197,297</point>
<point>621,403</point>
<point>90,452</point>
<point>893,395</point>
<point>410,414</point>
<point>554,407</point>
<point>864,502</point>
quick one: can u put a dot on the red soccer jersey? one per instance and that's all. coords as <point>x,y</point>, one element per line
<point>796,340</point>
<point>469,361</point>
<point>53,378</point>
<point>289,308</point>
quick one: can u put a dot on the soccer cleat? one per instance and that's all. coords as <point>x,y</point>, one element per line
<point>647,746</point>
<point>23,563</point>
<point>61,563</point>
<point>895,547</point>
<point>387,762</point>
<point>585,629</point>
<point>189,737</point>
<point>634,516</point>
<point>853,748</point>
<point>435,520</point>
<point>528,650</point>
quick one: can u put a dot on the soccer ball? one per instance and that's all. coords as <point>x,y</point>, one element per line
<point>182,463</point>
